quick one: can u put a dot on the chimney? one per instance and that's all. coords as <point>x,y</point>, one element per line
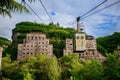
<point>78,24</point>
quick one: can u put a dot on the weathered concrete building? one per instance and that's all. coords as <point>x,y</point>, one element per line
<point>90,51</point>
<point>1,50</point>
<point>83,45</point>
<point>35,42</point>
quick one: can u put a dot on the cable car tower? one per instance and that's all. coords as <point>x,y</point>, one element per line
<point>79,39</point>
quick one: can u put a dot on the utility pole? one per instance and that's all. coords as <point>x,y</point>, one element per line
<point>78,24</point>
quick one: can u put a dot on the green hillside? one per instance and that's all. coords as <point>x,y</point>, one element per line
<point>4,42</point>
<point>109,43</point>
<point>56,34</point>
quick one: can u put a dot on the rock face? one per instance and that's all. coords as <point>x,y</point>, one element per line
<point>35,42</point>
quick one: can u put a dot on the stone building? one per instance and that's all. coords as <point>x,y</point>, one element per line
<point>90,49</point>
<point>83,45</point>
<point>35,42</point>
<point>1,50</point>
<point>68,47</point>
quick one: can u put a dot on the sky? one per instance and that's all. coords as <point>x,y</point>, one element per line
<point>65,13</point>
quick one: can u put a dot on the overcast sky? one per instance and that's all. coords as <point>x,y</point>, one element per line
<point>103,23</point>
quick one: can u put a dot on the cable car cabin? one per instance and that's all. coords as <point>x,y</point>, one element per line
<point>79,43</point>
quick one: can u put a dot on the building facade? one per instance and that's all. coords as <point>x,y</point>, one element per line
<point>35,42</point>
<point>90,51</point>
<point>1,50</point>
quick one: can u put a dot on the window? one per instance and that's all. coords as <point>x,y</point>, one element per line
<point>77,37</point>
<point>36,38</point>
<point>82,37</point>
<point>43,38</point>
<point>39,38</point>
<point>32,38</point>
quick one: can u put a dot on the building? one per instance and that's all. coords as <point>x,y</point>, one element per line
<point>69,47</point>
<point>83,45</point>
<point>35,42</point>
<point>1,50</point>
<point>90,51</point>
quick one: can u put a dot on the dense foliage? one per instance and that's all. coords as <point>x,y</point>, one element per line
<point>8,48</point>
<point>40,67</point>
<point>9,6</point>
<point>108,44</point>
<point>56,34</point>
<point>4,42</point>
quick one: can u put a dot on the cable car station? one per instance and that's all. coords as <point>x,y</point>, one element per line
<point>83,45</point>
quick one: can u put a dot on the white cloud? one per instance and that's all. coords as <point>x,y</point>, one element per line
<point>65,11</point>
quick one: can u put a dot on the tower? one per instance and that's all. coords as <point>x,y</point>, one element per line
<point>79,39</point>
<point>78,25</point>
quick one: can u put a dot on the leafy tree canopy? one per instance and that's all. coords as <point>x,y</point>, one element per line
<point>8,6</point>
<point>108,43</point>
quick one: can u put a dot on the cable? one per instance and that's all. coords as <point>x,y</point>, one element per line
<point>46,10</point>
<point>70,22</point>
<point>34,12</point>
<point>101,9</point>
<point>93,9</point>
<point>90,10</point>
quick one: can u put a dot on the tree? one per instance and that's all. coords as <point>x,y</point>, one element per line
<point>71,66</point>
<point>8,6</point>
<point>112,70</point>
<point>93,70</point>
<point>54,70</point>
